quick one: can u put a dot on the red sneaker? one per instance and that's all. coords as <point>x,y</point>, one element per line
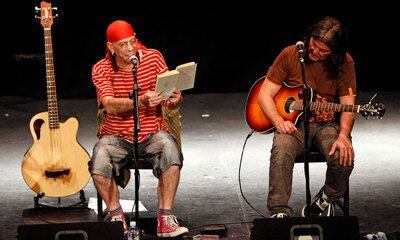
<point>168,226</point>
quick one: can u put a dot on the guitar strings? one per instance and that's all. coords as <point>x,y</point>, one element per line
<point>55,136</point>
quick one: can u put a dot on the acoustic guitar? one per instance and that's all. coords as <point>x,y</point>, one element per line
<point>56,165</point>
<point>289,104</point>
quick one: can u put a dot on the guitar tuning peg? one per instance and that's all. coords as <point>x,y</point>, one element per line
<point>56,16</point>
<point>372,98</point>
<point>37,9</point>
<point>37,17</point>
<point>54,8</point>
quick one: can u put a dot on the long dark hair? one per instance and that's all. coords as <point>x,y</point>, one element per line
<point>331,32</point>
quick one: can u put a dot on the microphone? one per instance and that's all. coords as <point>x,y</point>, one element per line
<point>134,60</point>
<point>300,46</point>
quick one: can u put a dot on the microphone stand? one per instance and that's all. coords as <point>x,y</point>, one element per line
<point>306,114</point>
<point>134,96</point>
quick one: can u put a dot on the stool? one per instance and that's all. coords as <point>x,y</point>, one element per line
<point>141,165</point>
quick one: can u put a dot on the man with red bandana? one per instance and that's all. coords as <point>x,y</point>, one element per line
<point>113,79</point>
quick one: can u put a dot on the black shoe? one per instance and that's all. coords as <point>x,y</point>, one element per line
<point>320,207</point>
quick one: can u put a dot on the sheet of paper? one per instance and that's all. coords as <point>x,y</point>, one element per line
<point>126,205</point>
<point>167,93</point>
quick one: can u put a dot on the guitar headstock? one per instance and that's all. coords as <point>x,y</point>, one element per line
<point>46,14</point>
<point>372,110</point>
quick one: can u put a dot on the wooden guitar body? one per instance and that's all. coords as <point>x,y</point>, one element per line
<point>255,117</point>
<point>56,165</point>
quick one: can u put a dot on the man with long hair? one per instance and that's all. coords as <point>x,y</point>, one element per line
<point>113,79</point>
<point>330,72</point>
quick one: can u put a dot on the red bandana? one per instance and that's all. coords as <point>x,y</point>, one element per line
<point>119,30</point>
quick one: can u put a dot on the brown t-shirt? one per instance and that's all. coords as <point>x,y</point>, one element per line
<point>286,68</point>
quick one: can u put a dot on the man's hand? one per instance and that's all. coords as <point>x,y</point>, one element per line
<point>346,151</point>
<point>285,127</point>
<point>151,99</point>
<point>174,100</point>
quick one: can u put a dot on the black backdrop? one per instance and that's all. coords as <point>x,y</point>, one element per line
<point>233,43</point>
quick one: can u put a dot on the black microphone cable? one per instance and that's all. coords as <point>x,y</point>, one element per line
<point>240,167</point>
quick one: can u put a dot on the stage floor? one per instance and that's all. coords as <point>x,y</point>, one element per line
<point>213,134</point>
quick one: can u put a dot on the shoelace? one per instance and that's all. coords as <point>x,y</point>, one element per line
<point>116,218</point>
<point>331,210</point>
<point>119,218</point>
<point>171,221</point>
<point>279,215</point>
<point>322,203</point>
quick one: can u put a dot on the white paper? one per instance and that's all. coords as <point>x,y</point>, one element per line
<point>126,205</point>
<point>167,93</point>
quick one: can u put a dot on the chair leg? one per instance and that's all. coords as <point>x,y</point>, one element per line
<point>346,201</point>
<point>99,208</point>
<point>345,204</point>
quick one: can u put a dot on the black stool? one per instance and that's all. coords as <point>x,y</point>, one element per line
<point>141,165</point>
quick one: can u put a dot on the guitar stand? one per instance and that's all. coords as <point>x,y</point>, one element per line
<point>83,203</point>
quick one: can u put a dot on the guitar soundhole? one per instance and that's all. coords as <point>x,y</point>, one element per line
<point>36,127</point>
<point>288,102</point>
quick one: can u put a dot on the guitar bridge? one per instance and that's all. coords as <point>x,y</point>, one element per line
<point>56,173</point>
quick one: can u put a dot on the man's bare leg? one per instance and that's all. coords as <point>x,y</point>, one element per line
<point>167,187</point>
<point>108,190</point>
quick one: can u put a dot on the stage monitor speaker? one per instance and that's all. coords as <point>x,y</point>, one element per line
<point>300,228</point>
<point>72,231</point>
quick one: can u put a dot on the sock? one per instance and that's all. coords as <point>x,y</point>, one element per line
<point>119,212</point>
<point>163,212</point>
<point>116,212</point>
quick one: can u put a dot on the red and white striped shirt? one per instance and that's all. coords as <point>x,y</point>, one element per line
<point>118,84</point>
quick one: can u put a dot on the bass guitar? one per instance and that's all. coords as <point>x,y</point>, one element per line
<point>56,165</point>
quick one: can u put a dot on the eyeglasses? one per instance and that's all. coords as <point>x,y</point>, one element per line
<point>321,51</point>
<point>125,44</point>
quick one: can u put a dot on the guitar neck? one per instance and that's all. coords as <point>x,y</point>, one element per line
<point>332,107</point>
<point>51,82</point>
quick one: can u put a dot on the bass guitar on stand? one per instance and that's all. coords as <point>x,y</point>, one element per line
<point>56,165</point>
